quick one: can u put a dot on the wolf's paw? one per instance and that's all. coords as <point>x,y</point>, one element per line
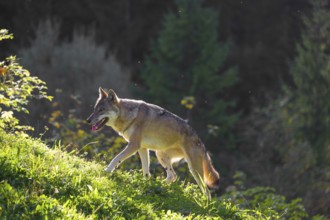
<point>170,178</point>
<point>107,169</point>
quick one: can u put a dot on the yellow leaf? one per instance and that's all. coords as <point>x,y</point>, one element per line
<point>189,106</point>
<point>81,133</point>
<point>57,125</point>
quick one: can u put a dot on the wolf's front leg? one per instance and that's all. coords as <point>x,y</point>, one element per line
<point>129,150</point>
<point>145,161</point>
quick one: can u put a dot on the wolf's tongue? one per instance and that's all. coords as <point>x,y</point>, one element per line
<point>94,128</point>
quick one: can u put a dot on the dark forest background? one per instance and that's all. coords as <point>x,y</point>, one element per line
<point>252,77</point>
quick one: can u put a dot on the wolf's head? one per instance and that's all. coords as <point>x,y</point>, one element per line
<point>106,110</point>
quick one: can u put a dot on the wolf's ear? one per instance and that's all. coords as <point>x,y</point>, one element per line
<point>102,94</point>
<point>112,96</point>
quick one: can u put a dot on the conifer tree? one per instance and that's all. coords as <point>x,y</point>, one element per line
<point>305,150</point>
<point>188,60</point>
<point>310,106</point>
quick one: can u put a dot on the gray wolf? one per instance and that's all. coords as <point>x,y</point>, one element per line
<point>149,127</point>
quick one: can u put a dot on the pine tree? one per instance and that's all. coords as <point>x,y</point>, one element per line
<point>310,106</point>
<point>187,60</point>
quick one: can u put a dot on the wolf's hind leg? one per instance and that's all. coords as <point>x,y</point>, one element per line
<point>165,160</point>
<point>145,161</point>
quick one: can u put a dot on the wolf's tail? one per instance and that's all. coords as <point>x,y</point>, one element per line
<point>211,176</point>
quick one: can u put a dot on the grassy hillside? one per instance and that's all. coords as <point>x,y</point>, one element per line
<point>37,182</point>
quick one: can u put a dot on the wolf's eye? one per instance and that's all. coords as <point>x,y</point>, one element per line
<point>101,109</point>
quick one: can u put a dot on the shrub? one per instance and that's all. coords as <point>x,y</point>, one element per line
<point>75,68</point>
<point>263,200</point>
<point>17,87</point>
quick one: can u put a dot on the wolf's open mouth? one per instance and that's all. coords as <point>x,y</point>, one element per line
<point>100,124</point>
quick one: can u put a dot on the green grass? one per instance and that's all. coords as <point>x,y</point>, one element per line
<point>37,182</point>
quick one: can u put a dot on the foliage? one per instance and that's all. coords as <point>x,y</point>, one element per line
<point>271,159</point>
<point>305,114</point>
<point>187,60</point>
<point>16,88</point>
<point>309,107</point>
<point>38,182</point>
<point>262,42</point>
<point>73,69</point>
<point>287,143</point>
<point>5,35</point>
<point>264,33</point>
<point>264,200</point>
